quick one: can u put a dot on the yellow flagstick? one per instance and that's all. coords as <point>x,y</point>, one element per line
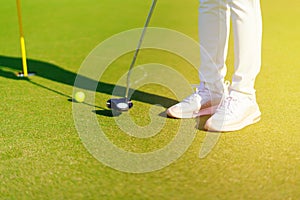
<point>22,41</point>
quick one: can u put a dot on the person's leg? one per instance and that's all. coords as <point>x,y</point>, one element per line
<point>214,25</point>
<point>239,108</point>
<point>214,28</point>
<point>247,27</point>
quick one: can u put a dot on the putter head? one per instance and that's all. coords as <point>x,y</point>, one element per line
<point>122,104</point>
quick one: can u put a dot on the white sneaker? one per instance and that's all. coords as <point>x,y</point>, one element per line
<point>202,102</point>
<point>235,112</point>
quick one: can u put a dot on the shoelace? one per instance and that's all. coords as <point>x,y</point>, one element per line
<point>228,102</point>
<point>199,89</point>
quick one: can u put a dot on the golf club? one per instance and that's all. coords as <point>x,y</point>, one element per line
<point>124,104</point>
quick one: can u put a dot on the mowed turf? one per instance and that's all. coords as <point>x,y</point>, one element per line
<point>42,155</point>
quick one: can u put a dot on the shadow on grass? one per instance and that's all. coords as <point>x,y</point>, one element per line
<point>201,122</point>
<point>55,73</point>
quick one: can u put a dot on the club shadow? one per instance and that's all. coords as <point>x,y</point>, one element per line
<point>107,113</point>
<point>57,74</point>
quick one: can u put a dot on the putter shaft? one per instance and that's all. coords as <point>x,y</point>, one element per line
<point>138,47</point>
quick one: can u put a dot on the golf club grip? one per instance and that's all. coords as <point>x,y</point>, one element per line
<point>139,46</point>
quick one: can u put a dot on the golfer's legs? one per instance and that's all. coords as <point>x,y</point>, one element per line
<point>214,25</point>
<point>247,27</point>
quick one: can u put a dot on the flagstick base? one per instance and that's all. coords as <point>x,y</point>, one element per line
<point>22,75</point>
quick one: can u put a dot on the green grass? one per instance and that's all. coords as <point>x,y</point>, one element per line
<point>42,155</point>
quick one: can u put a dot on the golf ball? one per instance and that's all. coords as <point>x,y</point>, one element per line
<point>79,97</point>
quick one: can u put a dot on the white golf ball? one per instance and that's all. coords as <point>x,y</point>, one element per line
<point>79,97</point>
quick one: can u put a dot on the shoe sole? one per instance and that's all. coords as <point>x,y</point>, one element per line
<point>251,119</point>
<point>202,112</point>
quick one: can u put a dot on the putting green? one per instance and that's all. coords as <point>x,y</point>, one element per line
<point>43,157</point>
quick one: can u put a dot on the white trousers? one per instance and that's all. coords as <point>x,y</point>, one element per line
<point>214,28</point>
